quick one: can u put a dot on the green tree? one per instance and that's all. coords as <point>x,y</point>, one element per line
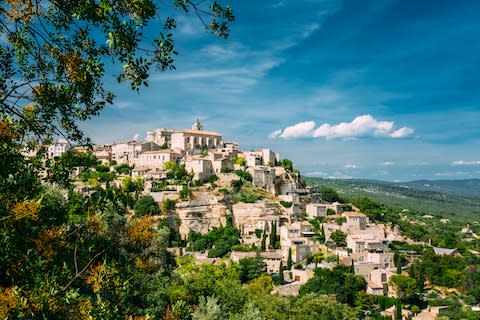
<point>146,205</point>
<point>208,309</point>
<point>329,194</point>
<point>251,268</point>
<point>287,164</point>
<point>404,286</point>
<point>321,307</point>
<point>260,287</point>
<point>56,52</point>
<point>339,238</point>
<point>289,259</point>
<point>281,278</point>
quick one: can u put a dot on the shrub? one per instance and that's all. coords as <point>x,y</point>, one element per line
<point>146,205</point>
<point>168,205</point>
<point>184,193</point>
<point>247,196</point>
<point>286,204</point>
<point>244,175</point>
<point>123,169</point>
<point>226,170</point>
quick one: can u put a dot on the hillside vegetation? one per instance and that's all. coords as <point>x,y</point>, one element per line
<point>455,203</point>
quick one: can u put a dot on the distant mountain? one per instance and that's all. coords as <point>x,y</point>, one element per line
<point>459,199</point>
<point>467,188</point>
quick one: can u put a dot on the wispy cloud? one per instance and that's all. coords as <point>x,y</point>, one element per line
<point>452,174</point>
<point>125,105</point>
<point>387,163</point>
<point>351,166</point>
<point>317,174</point>
<point>466,163</point>
<point>278,4</point>
<point>361,126</point>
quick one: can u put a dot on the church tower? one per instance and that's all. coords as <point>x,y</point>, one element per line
<point>197,126</point>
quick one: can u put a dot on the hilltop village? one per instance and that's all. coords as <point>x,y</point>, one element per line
<point>202,184</point>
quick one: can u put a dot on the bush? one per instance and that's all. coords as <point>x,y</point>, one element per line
<point>168,205</point>
<point>286,204</point>
<point>146,205</point>
<point>123,169</point>
<point>247,196</point>
<point>226,170</point>
<point>102,168</point>
<point>184,193</point>
<point>243,248</point>
<point>236,184</point>
<point>224,191</point>
<point>239,160</point>
<point>244,175</point>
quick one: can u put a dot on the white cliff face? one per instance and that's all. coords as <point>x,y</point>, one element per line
<point>248,217</point>
<point>202,213</point>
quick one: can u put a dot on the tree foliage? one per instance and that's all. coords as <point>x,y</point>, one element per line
<point>55,55</point>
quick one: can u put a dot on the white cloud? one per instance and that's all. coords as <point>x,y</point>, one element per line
<point>402,132</point>
<point>351,166</point>
<point>136,136</point>
<point>361,126</point>
<point>466,163</point>
<point>299,130</point>
<point>275,134</point>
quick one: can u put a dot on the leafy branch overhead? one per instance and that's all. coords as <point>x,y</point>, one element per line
<point>55,54</point>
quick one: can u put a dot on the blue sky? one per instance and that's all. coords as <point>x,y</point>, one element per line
<point>349,89</point>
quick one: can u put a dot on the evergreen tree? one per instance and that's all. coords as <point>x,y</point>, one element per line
<point>263,245</point>
<point>273,235</point>
<point>289,259</point>
<point>421,279</point>
<point>399,264</point>
<point>352,267</point>
<point>398,310</point>
<point>281,278</point>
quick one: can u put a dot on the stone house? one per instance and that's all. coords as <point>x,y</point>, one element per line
<point>156,159</point>
<point>355,221</point>
<point>125,152</point>
<point>202,168</point>
<point>57,148</point>
<point>315,210</point>
<point>272,259</point>
<point>359,243</point>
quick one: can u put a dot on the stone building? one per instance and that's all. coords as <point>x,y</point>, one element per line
<point>195,139</point>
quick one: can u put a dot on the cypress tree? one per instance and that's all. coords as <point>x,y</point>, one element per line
<point>273,235</point>
<point>263,245</point>
<point>281,278</point>
<point>399,264</point>
<point>421,279</point>
<point>289,259</point>
<point>398,310</point>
